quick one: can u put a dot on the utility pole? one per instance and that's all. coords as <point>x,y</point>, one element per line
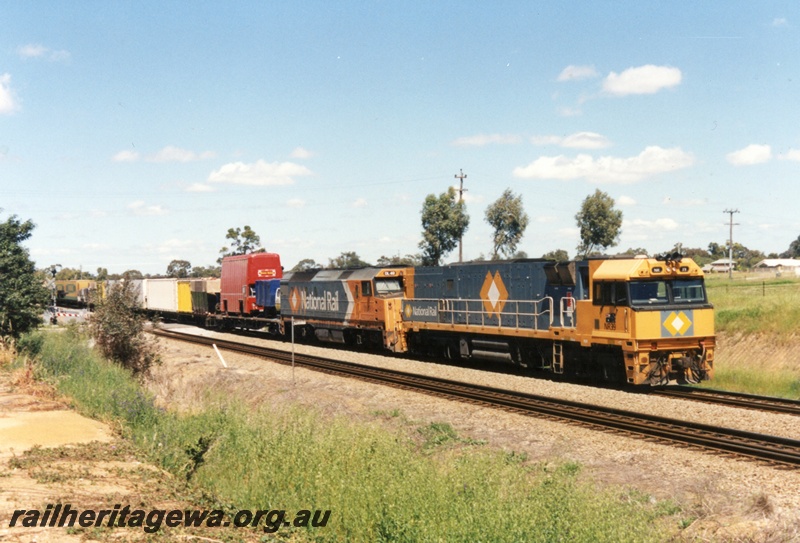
<point>461,190</point>
<point>730,241</point>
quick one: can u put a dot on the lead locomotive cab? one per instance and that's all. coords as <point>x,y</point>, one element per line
<point>656,314</point>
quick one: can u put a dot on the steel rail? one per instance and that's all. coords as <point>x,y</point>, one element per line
<point>736,399</point>
<point>774,449</point>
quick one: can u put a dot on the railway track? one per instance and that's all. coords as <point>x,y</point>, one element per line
<point>772,449</point>
<point>736,399</point>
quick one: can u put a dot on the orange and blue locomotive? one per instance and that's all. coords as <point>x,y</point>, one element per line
<point>633,320</point>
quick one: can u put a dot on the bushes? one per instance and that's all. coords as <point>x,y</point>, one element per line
<point>118,330</point>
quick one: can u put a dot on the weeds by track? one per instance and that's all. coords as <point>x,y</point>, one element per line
<point>775,450</point>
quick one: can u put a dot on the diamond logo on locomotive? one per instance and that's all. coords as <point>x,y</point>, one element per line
<point>494,294</point>
<point>676,324</point>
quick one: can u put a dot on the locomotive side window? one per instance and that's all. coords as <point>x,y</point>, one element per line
<point>384,287</point>
<point>610,293</point>
<point>688,291</point>
<point>649,292</point>
<point>366,288</point>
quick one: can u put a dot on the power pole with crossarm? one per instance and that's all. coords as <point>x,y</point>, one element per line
<point>461,190</point>
<point>730,241</point>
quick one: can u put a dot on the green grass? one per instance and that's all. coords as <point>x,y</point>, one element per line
<point>758,320</point>
<point>777,383</point>
<point>755,306</point>
<point>380,485</point>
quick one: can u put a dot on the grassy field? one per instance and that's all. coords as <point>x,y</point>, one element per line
<point>758,327</point>
<point>379,485</point>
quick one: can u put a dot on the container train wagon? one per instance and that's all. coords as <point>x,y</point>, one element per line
<point>243,297</point>
<point>633,320</point>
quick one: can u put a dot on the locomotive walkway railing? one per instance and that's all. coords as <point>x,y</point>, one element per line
<point>520,314</point>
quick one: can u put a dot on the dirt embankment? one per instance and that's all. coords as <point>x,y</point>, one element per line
<point>767,352</point>
<point>51,455</point>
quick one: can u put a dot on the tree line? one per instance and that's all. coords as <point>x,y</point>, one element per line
<point>444,219</point>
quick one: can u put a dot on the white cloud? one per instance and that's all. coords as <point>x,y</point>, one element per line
<point>647,79</point>
<point>481,140</point>
<point>752,154</point>
<point>570,112</point>
<point>301,153</point>
<point>31,50</point>
<point>140,209</point>
<point>173,244</point>
<point>576,73</point>
<point>259,173</point>
<point>7,102</point>
<point>690,202</point>
<point>626,201</point>
<point>643,226</point>
<point>200,187</point>
<point>780,22</point>
<point>170,153</point>
<point>586,140</point>
<point>35,50</point>
<point>126,156</point>
<point>792,154</point>
<point>652,161</point>
<point>546,140</point>
<point>361,202</point>
<point>296,203</point>
<point>578,140</point>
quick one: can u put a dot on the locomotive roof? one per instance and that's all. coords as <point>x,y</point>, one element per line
<point>357,274</point>
<point>644,268</point>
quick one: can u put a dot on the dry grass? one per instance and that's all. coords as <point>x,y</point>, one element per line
<point>767,364</point>
<point>758,334</point>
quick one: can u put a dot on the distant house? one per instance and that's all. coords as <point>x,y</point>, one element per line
<point>779,266</point>
<point>723,265</point>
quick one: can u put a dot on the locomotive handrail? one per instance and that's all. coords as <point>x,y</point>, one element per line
<point>473,312</point>
<point>567,307</point>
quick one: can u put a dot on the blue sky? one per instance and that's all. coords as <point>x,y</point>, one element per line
<point>135,133</point>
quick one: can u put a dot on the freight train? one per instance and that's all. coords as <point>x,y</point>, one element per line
<point>641,321</point>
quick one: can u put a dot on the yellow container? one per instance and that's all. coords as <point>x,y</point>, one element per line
<point>184,296</point>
